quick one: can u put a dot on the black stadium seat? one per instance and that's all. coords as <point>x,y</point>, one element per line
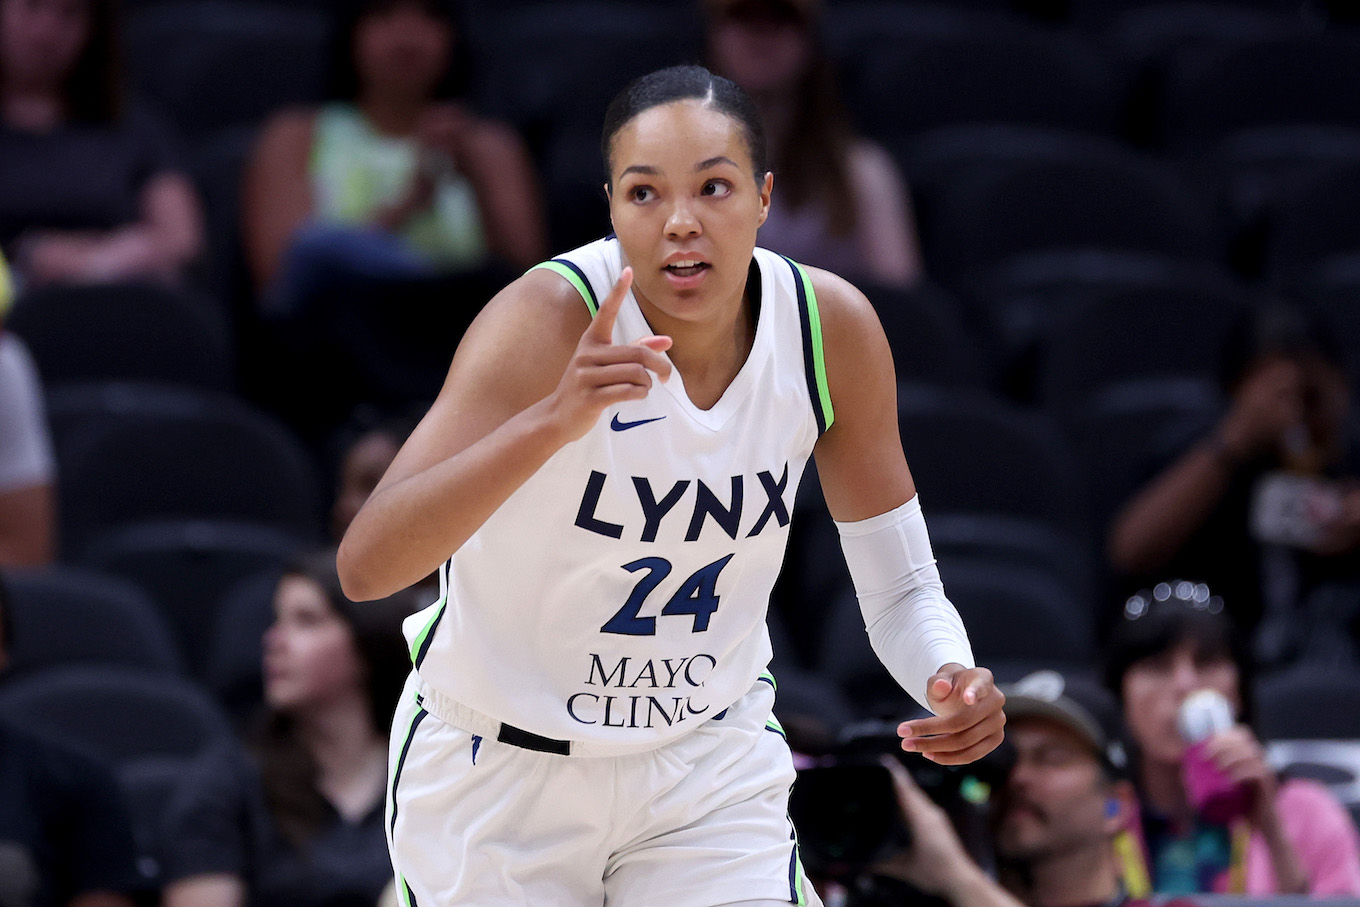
<point>1122,333</point>
<point>973,454</point>
<point>187,567</point>
<point>128,332</point>
<point>913,70</point>
<point>1309,703</point>
<point>128,454</point>
<point>209,64</point>
<point>64,616</point>
<point>1214,90</point>
<point>1317,228</point>
<point>1116,201</point>
<point>119,714</point>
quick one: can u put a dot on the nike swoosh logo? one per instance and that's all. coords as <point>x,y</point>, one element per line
<point>616,425</point>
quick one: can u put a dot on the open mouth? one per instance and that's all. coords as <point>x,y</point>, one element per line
<point>687,268</point>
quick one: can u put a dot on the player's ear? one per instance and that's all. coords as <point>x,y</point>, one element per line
<point>766,190</point>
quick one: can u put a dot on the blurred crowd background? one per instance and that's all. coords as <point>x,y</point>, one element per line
<point>1115,246</point>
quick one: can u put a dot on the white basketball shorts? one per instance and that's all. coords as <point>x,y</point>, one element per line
<point>700,821</point>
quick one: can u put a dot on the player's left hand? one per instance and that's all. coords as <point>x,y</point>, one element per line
<point>968,722</point>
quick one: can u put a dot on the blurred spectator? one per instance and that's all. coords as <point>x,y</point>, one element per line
<point>363,461</point>
<point>1260,834</point>
<point>1060,818</point>
<point>839,202</point>
<point>1265,506</point>
<point>397,177</point>
<point>90,187</point>
<point>65,836</point>
<point>299,821</point>
<point>27,487</point>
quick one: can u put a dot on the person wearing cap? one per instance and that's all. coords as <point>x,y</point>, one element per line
<point>1288,836</point>
<point>843,204</point>
<point>1060,821</point>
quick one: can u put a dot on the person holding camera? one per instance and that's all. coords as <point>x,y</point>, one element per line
<point>1264,505</point>
<point>1060,819</point>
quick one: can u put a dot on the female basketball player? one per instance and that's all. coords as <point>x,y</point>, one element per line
<point>608,473</point>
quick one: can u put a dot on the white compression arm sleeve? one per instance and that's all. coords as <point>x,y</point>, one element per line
<point>914,629</point>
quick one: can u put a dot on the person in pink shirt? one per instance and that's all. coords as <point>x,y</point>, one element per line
<point>1291,835</point>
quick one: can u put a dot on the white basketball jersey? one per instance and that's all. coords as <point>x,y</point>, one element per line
<point>619,595</point>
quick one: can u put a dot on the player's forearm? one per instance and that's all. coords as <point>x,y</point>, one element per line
<point>405,531</point>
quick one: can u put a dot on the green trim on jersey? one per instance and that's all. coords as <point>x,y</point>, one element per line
<point>800,882</point>
<point>818,354</point>
<point>575,279</point>
<point>420,644</point>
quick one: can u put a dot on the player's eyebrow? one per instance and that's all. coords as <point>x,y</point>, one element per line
<point>713,162</point>
<point>649,170</point>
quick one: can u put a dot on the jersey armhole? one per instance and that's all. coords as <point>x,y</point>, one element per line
<point>814,357</point>
<point>576,277</point>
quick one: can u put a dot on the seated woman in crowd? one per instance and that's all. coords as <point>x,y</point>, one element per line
<point>1261,834</point>
<point>396,177</point>
<point>28,489</point>
<point>299,820</point>
<point>841,203</point>
<point>91,188</point>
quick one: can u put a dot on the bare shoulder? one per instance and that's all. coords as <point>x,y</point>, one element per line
<point>848,317</point>
<point>523,338</point>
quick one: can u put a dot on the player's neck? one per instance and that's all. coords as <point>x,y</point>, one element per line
<point>708,355</point>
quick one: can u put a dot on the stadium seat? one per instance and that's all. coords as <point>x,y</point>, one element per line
<point>128,332</point>
<point>936,160</point>
<point>148,785</point>
<point>1121,433</point>
<point>187,567</point>
<point>565,85</point>
<point>1100,15</point>
<point>1123,333</point>
<point>120,714</point>
<point>1309,703</point>
<point>1117,202</point>
<point>1214,90</point>
<point>928,333</point>
<point>235,648</point>
<point>128,454</point>
<point>1258,172</point>
<point>67,616</point>
<point>909,69</point>
<point>1318,228</point>
<point>209,64</point>
<point>973,454</point>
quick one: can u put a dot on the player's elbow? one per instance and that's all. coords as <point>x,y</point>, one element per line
<point>357,579</point>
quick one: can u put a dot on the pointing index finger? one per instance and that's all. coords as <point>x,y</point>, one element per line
<point>602,327</point>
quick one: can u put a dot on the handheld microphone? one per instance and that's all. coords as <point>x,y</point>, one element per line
<point>1213,795</point>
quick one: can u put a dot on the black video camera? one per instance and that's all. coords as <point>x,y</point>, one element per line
<point>846,811</point>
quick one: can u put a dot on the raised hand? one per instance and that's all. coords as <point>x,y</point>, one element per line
<point>968,720</point>
<point>602,373</point>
